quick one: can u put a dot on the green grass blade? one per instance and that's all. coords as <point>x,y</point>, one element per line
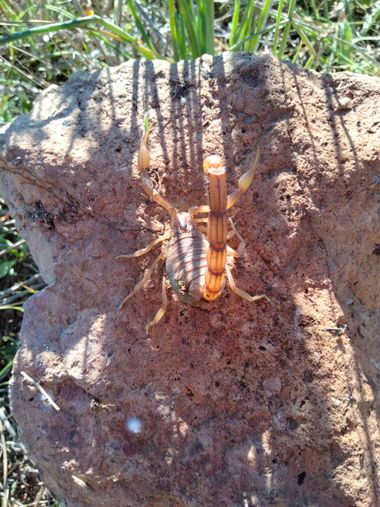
<point>58,10</point>
<point>284,40</point>
<point>183,48</point>
<point>277,29</point>
<point>285,35</point>
<point>139,24</point>
<point>209,26</point>
<point>114,30</point>
<point>6,369</point>
<point>248,22</point>
<point>52,27</point>
<point>297,52</point>
<point>235,24</point>
<point>173,30</point>
<point>345,33</point>
<point>205,24</point>
<point>243,31</point>
<point>306,41</point>
<point>187,13</point>
<point>260,25</point>
<point>12,307</point>
<point>7,9</point>
<point>371,19</point>
<point>268,29</point>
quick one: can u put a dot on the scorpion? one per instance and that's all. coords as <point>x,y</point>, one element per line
<point>197,259</point>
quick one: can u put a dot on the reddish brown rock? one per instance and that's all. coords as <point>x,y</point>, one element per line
<point>235,404</point>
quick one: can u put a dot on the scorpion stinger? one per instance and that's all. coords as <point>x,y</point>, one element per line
<point>196,264</point>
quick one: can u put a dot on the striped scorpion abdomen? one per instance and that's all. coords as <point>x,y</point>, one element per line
<point>186,259</point>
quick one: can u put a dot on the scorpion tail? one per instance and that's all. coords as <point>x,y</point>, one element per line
<point>217,228</point>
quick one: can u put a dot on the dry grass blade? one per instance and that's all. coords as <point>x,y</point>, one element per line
<point>4,453</point>
<point>38,386</point>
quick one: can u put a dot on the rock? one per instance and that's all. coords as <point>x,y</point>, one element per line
<point>181,417</point>
<point>272,385</point>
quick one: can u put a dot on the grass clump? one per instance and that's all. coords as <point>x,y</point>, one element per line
<point>42,43</point>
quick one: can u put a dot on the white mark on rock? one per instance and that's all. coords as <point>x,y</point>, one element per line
<point>134,424</point>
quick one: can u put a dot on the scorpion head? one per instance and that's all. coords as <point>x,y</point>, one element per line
<point>182,221</point>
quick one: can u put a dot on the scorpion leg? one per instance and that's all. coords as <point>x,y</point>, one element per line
<point>232,252</point>
<point>195,210</point>
<point>241,247</point>
<point>143,162</point>
<point>162,309</point>
<point>244,182</point>
<point>142,282</point>
<point>242,244</point>
<point>241,292</point>
<point>147,249</point>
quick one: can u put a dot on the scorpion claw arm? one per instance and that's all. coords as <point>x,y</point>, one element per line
<point>143,162</point>
<point>244,182</point>
<point>142,282</point>
<point>162,310</point>
<point>241,292</point>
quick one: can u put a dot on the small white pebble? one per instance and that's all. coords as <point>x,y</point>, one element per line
<point>134,424</point>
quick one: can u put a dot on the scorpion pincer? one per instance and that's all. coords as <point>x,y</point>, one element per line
<point>196,265</point>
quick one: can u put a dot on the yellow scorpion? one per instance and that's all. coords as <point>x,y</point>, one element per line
<point>195,265</point>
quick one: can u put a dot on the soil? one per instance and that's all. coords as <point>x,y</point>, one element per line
<point>234,403</point>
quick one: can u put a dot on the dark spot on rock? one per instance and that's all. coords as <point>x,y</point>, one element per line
<point>179,89</point>
<point>198,447</point>
<point>306,320</point>
<point>292,424</point>
<point>308,377</point>
<point>159,75</point>
<point>42,217</point>
<point>251,78</point>
<point>242,385</point>
<point>301,478</point>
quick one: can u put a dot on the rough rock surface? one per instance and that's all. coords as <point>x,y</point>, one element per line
<point>238,404</point>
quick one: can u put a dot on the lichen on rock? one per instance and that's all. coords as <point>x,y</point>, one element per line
<point>239,403</point>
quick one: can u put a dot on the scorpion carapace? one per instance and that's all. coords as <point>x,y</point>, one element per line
<point>196,264</point>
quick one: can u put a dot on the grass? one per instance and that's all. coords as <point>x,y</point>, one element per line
<point>43,43</point>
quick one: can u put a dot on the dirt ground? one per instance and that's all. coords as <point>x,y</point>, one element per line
<point>231,404</point>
